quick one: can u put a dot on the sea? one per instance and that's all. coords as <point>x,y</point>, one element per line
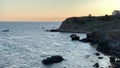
<point>26,44</point>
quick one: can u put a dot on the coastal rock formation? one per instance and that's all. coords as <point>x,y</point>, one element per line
<point>53,59</point>
<point>88,24</point>
<point>108,41</point>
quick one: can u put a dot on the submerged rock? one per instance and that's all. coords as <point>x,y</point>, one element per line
<point>6,30</point>
<point>53,59</point>
<point>97,54</point>
<point>96,65</point>
<point>100,57</point>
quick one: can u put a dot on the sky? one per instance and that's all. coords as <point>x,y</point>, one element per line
<point>54,10</point>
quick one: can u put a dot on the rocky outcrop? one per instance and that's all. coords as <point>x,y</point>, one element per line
<point>88,24</point>
<point>107,43</point>
<point>52,59</point>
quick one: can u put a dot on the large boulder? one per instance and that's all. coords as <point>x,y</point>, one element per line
<point>52,59</point>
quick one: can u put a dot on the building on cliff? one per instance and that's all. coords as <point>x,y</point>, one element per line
<point>116,12</point>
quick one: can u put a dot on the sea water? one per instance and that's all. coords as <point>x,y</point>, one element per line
<point>26,44</point>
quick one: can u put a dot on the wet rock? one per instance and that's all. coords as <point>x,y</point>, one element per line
<point>100,57</point>
<point>109,67</point>
<point>97,54</point>
<point>75,37</point>
<point>6,30</point>
<point>52,30</point>
<point>53,59</point>
<point>112,59</point>
<point>86,40</point>
<point>96,65</point>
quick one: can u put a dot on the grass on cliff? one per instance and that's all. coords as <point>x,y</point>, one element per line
<point>93,23</point>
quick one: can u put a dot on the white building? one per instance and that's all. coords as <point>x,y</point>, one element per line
<point>116,12</point>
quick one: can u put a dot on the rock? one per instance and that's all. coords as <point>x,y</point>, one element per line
<point>74,37</point>
<point>52,59</point>
<point>6,30</point>
<point>97,54</point>
<point>52,30</point>
<point>85,40</point>
<point>96,65</point>
<point>100,57</point>
<point>112,59</point>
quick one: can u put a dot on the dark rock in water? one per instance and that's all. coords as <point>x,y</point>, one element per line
<point>75,37</point>
<point>112,59</point>
<point>109,67</point>
<point>97,54</point>
<point>96,65</point>
<point>85,40</point>
<point>53,59</point>
<point>100,57</point>
<point>6,30</point>
<point>53,30</point>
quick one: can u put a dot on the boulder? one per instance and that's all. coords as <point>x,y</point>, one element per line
<point>86,40</point>
<point>100,57</point>
<point>52,59</point>
<point>75,37</point>
<point>97,54</point>
<point>96,65</point>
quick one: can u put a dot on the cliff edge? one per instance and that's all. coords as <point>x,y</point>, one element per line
<point>90,23</point>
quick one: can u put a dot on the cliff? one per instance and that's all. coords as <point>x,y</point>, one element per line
<point>90,23</point>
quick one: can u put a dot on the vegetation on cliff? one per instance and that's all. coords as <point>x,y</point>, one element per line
<point>90,23</point>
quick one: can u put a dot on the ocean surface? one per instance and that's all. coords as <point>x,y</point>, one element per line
<point>27,44</point>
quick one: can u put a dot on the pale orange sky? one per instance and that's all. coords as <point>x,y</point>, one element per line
<point>54,10</point>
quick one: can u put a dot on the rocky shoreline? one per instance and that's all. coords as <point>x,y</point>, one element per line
<point>103,32</point>
<point>107,44</point>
